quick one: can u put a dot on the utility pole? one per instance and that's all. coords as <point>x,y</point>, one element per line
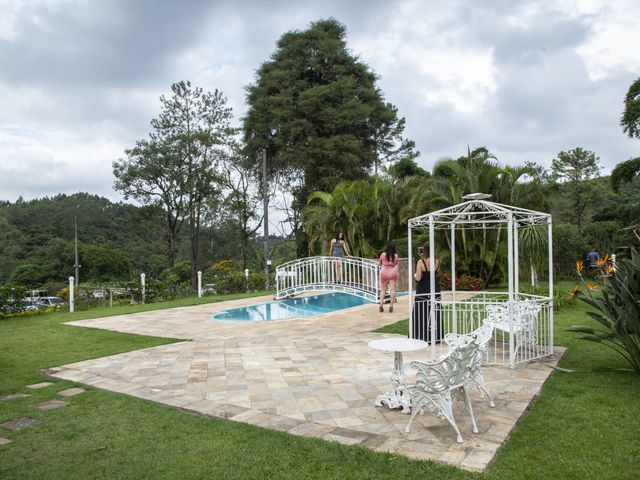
<point>265,204</point>
<point>77,265</point>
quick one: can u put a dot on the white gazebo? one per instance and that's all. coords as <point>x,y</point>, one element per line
<point>523,323</point>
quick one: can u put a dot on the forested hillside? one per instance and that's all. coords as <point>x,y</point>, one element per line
<point>116,241</point>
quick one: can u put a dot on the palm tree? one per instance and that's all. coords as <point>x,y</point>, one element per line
<point>319,220</point>
<point>533,242</point>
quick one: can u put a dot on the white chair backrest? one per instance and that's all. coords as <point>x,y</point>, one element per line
<point>450,372</point>
<point>525,313</point>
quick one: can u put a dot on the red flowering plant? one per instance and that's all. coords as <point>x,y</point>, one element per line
<point>463,282</point>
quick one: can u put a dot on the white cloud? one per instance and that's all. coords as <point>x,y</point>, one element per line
<point>80,80</point>
<point>613,44</point>
<point>39,169</point>
<point>423,44</point>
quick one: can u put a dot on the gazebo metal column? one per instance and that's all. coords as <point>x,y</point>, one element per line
<point>432,293</point>
<point>410,282</point>
<point>550,244</point>
<point>454,319</point>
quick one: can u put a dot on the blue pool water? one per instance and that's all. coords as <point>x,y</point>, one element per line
<point>292,307</point>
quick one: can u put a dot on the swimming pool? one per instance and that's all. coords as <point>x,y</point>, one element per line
<point>310,306</point>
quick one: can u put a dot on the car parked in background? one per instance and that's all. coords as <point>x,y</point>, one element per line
<point>99,293</point>
<point>34,295</point>
<point>209,289</point>
<point>27,305</point>
<point>49,302</point>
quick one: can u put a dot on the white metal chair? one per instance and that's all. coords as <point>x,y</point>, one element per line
<point>523,325</point>
<point>438,382</point>
<point>481,336</point>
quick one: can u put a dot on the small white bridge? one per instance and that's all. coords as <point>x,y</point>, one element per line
<point>354,275</point>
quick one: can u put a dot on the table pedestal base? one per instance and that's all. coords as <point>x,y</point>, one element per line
<point>399,397</point>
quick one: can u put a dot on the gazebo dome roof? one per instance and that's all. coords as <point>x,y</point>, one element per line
<point>479,213</point>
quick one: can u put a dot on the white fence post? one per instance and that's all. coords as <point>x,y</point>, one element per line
<point>199,284</point>
<point>71,295</point>
<point>142,283</point>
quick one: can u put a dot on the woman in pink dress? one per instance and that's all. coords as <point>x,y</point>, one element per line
<point>388,275</point>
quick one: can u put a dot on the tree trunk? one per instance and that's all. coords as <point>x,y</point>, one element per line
<point>171,241</point>
<point>534,276</point>
<point>193,250</point>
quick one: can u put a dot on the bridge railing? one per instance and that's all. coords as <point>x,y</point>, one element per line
<point>354,275</point>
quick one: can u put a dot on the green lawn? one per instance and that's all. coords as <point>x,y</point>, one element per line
<point>584,425</point>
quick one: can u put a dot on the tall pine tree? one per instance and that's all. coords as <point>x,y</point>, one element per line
<point>316,110</point>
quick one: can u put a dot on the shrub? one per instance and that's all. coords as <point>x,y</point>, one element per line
<point>11,300</point>
<point>226,266</point>
<point>232,282</point>
<point>464,282</point>
<point>618,309</point>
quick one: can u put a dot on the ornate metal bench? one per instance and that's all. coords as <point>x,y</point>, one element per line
<point>437,383</point>
<point>523,325</point>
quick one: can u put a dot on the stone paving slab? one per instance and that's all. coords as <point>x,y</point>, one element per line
<point>5,441</point>
<point>71,392</point>
<point>21,423</point>
<point>313,377</point>
<point>13,396</point>
<point>40,385</point>
<point>51,405</point>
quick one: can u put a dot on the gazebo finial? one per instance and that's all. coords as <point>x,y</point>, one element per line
<point>476,196</point>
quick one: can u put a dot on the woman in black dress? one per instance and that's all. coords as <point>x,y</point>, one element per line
<point>422,307</point>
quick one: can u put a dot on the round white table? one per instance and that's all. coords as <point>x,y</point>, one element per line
<point>399,397</point>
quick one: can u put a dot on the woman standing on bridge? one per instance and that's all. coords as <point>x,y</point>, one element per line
<point>388,275</point>
<point>339,248</point>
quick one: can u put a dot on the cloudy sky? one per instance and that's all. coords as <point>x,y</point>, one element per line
<point>80,80</point>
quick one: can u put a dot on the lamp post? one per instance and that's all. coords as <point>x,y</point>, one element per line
<point>75,247</point>
<point>142,283</point>
<point>265,205</point>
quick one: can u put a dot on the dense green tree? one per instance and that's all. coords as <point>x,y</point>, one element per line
<point>389,144</point>
<point>11,246</point>
<point>29,275</point>
<point>241,204</point>
<point>406,167</point>
<point>175,167</point>
<point>575,167</point>
<point>625,172</point>
<point>477,171</point>
<point>317,112</point>
<point>152,175</point>
<point>102,263</point>
<point>630,120</point>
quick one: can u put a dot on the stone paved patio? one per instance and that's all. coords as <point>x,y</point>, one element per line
<point>312,377</point>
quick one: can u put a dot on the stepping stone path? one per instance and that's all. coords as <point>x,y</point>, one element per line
<point>4,441</point>
<point>51,404</point>
<point>40,385</point>
<point>13,396</point>
<point>20,423</point>
<point>71,392</point>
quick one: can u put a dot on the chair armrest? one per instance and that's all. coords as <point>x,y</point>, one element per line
<point>455,340</point>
